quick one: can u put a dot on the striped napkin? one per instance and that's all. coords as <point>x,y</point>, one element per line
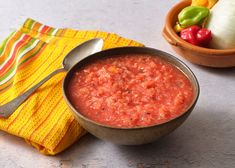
<point>27,56</point>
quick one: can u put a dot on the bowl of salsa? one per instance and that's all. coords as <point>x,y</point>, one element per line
<point>130,95</point>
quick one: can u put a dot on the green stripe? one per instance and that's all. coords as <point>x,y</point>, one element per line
<point>31,22</point>
<point>8,73</point>
<point>29,57</point>
<point>27,45</point>
<point>6,87</point>
<point>51,31</point>
<point>3,44</point>
<point>23,57</point>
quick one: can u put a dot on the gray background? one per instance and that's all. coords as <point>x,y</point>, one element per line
<point>205,140</point>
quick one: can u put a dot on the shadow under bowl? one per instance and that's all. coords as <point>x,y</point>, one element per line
<point>139,135</point>
<point>218,58</point>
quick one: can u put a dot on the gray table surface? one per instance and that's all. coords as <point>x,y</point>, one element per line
<point>205,140</point>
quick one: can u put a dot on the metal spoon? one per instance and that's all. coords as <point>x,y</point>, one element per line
<point>78,53</point>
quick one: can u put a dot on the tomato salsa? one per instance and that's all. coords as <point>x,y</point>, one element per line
<point>130,91</point>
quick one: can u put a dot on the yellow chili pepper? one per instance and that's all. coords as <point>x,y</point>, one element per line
<point>206,3</point>
<point>178,28</point>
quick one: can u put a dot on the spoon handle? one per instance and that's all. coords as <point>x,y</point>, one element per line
<point>7,109</point>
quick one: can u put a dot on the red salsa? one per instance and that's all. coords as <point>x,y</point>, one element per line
<point>130,91</point>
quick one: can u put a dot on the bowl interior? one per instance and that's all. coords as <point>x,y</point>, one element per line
<point>130,50</point>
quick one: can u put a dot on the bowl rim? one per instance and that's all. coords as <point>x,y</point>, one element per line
<point>180,42</point>
<point>164,54</point>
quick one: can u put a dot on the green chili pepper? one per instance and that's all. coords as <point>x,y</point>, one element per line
<point>192,15</point>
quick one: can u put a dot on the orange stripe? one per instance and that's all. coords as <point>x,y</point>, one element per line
<point>10,44</point>
<point>49,114</point>
<point>118,40</point>
<point>130,42</point>
<point>45,29</point>
<point>32,59</point>
<point>107,37</point>
<point>96,34</point>
<point>36,26</point>
<point>64,135</point>
<point>6,84</point>
<point>36,48</point>
<point>48,30</point>
<point>54,126</point>
<point>85,34</point>
<point>75,34</point>
<point>3,100</point>
<point>13,58</point>
<point>6,88</point>
<point>62,32</point>
<point>49,93</point>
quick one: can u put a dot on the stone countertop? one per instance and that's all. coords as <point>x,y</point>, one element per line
<point>205,140</point>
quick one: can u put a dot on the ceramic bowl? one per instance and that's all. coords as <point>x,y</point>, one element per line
<point>202,56</point>
<point>131,136</point>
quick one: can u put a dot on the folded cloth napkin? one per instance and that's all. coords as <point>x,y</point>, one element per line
<point>27,56</point>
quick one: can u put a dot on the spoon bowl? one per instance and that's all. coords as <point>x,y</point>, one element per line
<point>80,52</point>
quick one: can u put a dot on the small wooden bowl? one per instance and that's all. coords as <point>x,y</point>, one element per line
<point>199,55</point>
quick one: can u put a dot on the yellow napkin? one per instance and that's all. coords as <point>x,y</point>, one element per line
<point>27,56</point>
